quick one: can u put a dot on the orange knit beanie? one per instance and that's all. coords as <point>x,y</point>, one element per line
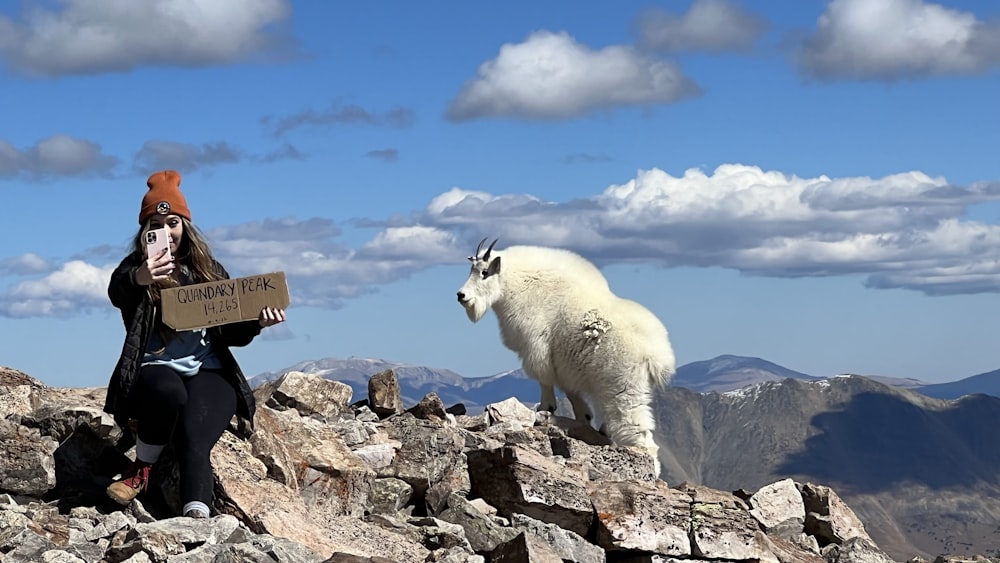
<point>164,196</point>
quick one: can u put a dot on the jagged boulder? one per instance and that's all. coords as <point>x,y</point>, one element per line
<point>384,395</point>
<point>307,394</point>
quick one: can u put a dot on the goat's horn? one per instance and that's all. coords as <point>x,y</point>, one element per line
<point>480,247</point>
<point>486,257</point>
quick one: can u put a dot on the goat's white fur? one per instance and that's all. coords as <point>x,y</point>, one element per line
<point>557,312</point>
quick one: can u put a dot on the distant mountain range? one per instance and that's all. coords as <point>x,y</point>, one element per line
<point>720,374</point>
<point>986,383</point>
<point>726,373</point>
<point>416,381</point>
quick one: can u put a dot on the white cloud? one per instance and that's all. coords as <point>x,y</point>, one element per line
<point>25,264</point>
<point>903,230</point>
<point>92,36</point>
<point>892,39</point>
<point>708,25</point>
<point>417,244</point>
<point>75,287</point>
<point>550,76</point>
<point>56,156</point>
<point>323,272</point>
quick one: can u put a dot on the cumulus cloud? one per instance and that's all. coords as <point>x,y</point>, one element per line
<point>902,230</point>
<point>95,36</point>
<point>56,156</point>
<point>323,271</point>
<point>906,230</point>
<point>708,25</point>
<point>417,244</point>
<point>893,39</point>
<point>340,114</point>
<point>550,76</point>
<point>74,288</point>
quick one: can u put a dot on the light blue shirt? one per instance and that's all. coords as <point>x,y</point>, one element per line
<point>187,353</point>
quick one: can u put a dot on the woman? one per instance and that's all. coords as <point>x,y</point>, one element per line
<point>184,385</point>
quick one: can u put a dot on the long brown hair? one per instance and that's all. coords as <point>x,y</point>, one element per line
<point>193,252</point>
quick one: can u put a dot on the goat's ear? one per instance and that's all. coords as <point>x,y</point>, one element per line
<point>494,267</point>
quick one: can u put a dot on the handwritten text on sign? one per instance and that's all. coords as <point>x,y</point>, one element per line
<point>225,301</point>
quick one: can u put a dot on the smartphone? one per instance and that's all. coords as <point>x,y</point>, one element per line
<point>156,241</point>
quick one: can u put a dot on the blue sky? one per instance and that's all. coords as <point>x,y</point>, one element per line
<point>812,182</point>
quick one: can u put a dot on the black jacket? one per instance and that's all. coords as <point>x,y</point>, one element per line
<point>139,316</point>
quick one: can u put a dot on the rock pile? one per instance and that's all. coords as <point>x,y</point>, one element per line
<point>322,479</point>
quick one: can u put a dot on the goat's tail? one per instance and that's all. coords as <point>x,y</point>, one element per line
<point>659,371</point>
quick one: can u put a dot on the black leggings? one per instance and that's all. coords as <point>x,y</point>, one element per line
<point>203,404</point>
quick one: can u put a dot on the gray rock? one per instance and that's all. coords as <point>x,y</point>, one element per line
<point>515,480</point>
<point>828,518</point>
<point>384,397</point>
<point>779,508</point>
<point>642,517</point>
<point>524,548</point>
<point>389,495</point>
<point>855,550</point>
<point>722,528</point>
<point>428,453</point>
<point>307,393</point>
<point>570,547</point>
<point>482,532</point>
<point>511,413</point>
<point>430,408</point>
<point>27,463</point>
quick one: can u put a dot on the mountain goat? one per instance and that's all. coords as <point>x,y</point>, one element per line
<point>557,312</point>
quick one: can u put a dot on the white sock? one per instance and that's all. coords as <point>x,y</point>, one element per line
<point>148,453</point>
<point>196,505</point>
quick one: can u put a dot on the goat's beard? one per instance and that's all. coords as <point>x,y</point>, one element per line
<point>475,310</point>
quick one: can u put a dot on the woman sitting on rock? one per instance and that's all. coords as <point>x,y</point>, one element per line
<point>174,384</point>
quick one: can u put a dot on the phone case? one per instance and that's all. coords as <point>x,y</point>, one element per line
<point>156,241</point>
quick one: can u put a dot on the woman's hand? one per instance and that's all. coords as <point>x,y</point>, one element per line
<point>270,316</point>
<point>155,268</point>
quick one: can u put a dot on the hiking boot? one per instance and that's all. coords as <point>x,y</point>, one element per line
<point>196,513</point>
<point>134,480</point>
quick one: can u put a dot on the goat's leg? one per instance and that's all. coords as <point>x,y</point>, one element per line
<point>581,410</point>
<point>628,419</point>
<point>548,402</point>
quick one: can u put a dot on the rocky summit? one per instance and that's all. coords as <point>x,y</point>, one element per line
<point>326,478</point>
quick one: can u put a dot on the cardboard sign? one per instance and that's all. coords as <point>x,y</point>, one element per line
<point>221,302</point>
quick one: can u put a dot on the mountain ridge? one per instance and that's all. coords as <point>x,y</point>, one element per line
<point>723,373</point>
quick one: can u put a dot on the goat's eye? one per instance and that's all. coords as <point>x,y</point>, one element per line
<point>486,274</point>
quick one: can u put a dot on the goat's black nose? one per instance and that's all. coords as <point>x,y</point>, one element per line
<point>461,296</point>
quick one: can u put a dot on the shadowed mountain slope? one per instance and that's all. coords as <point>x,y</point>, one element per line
<point>922,472</point>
